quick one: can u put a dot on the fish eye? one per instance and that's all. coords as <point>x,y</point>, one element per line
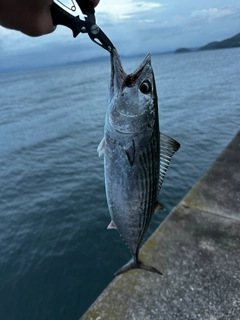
<point>145,87</point>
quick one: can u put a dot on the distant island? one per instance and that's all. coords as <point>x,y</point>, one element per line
<point>233,42</point>
<point>182,50</point>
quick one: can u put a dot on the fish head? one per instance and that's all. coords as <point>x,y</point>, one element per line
<point>133,97</point>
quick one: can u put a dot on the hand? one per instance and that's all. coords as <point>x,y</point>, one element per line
<point>32,17</point>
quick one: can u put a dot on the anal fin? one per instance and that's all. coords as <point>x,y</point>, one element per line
<point>158,207</point>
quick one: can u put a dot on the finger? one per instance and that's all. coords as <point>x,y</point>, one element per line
<point>95,2</point>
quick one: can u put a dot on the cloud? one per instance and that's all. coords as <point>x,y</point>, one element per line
<point>200,19</point>
<point>211,13</point>
<point>8,38</point>
<point>134,27</point>
<point>51,54</point>
<point>125,9</point>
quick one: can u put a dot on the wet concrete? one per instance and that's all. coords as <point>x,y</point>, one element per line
<point>197,248</point>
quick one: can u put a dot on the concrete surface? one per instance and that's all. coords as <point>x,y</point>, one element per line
<point>198,250</point>
<point>218,191</point>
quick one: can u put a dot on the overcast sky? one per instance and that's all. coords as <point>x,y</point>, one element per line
<point>135,27</point>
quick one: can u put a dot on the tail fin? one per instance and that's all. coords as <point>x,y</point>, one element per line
<point>136,264</point>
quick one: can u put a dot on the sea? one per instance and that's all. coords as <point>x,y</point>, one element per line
<point>56,255</point>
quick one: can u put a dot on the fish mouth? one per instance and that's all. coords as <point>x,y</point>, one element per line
<point>119,78</point>
<point>118,75</point>
<point>129,109</point>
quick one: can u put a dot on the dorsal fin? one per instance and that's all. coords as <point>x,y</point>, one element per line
<point>168,147</point>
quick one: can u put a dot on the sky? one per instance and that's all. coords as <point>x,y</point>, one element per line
<point>134,26</point>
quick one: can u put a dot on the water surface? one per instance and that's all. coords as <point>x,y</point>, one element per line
<point>56,255</point>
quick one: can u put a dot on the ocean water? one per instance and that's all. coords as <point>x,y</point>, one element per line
<point>56,255</point>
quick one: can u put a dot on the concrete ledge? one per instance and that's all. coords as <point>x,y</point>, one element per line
<point>218,191</point>
<point>198,250</point>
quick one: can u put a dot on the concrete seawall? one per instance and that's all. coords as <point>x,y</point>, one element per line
<point>197,248</point>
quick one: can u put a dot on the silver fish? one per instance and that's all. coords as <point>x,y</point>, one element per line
<point>136,154</point>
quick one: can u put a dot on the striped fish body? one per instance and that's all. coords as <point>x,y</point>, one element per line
<point>131,174</point>
<point>132,154</point>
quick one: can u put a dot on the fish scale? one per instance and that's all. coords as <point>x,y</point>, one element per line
<point>136,155</point>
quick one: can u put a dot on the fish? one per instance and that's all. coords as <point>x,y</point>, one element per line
<point>136,155</point>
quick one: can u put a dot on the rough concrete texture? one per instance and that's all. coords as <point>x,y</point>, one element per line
<point>218,191</point>
<point>198,250</point>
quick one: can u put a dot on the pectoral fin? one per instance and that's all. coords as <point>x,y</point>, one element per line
<point>101,147</point>
<point>130,152</point>
<point>168,147</point>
